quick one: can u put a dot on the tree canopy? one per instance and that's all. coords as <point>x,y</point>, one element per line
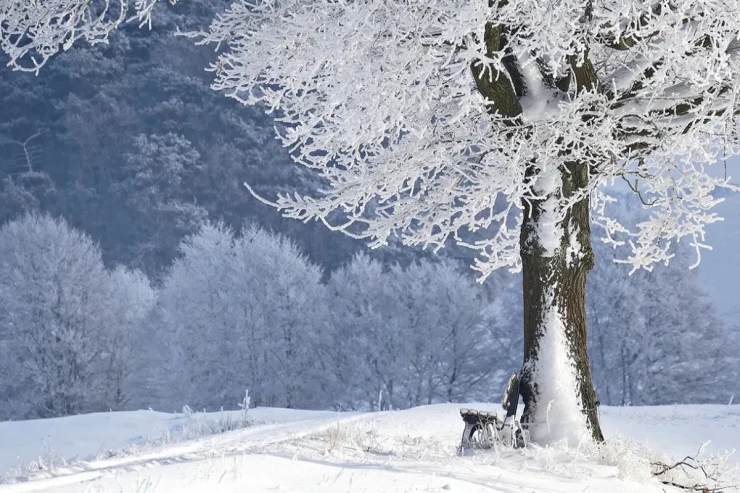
<point>428,119</point>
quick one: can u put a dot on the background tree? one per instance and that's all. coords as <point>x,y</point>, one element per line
<point>240,312</point>
<point>247,310</point>
<point>67,320</point>
<point>415,335</point>
<point>131,301</point>
<point>655,336</point>
<point>360,299</point>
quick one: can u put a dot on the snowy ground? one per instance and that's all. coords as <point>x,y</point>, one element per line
<point>304,451</point>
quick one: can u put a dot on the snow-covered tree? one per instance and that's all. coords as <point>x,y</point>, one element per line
<point>359,302</point>
<point>282,312</point>
<point>132,298</point>
<point>159,165</point>
<point>66,321</point>
<point>442,314</point>
<point>413,336</point>
<point>431,119</point>
<point>32,32</point>
<point>190,323</point>
<point>655,337</point>
<point>241,312</point>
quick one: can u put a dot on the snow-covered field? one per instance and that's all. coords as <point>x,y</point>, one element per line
<point>309,451</point>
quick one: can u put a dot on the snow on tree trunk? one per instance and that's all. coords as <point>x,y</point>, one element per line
<point>559,397</point>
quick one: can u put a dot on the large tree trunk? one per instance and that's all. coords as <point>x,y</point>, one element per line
<point>556,383</point>
<point>560,401</point>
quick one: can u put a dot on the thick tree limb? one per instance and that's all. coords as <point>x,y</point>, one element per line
<point>495,85</point>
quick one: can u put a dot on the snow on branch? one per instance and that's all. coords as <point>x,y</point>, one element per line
<point>697,473</point>
<point>32,31</point>
<point>430,121</point>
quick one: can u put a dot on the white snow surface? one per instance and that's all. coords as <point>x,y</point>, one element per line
<point>306,451</point>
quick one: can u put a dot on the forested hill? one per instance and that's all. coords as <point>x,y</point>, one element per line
<point>129,143</point>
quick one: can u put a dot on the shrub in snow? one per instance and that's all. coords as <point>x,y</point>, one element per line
<point>205,424</point>
<point>355,437</point>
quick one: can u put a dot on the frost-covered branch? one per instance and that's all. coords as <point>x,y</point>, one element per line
<point>431,120</point>
<point>32,31</point>
<point>694,473</point>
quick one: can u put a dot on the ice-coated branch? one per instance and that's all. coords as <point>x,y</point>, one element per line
<point>696,472</point>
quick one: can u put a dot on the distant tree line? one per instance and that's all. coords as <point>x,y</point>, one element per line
<point>249,310</point>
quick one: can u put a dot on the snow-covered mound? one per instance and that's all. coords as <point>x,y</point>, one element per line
<point>308,451</point>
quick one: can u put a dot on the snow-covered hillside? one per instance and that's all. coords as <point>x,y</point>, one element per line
<point>305,451</point>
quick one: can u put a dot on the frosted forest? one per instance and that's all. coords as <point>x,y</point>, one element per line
<point>247,308</point>
<point>363,212</point>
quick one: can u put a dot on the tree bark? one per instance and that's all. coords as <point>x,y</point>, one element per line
<point>555,282</point>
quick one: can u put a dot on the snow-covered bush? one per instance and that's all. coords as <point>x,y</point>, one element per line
<point>343,437</point>
<point>201,424</point>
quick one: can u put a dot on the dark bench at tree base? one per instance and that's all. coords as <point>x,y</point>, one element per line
<point>483,429</point>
